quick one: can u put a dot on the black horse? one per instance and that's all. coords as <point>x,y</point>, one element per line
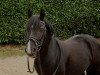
<point>55,57</point>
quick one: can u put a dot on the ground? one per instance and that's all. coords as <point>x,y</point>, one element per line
<point>14,66</point>
<point>13,62</point>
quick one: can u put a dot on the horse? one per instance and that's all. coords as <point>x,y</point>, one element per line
<point>60,57</point>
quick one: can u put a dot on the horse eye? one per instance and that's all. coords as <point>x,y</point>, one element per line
<point>42,23</point>
<point>32,27</point>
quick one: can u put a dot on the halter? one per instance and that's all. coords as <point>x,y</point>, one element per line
<point>37,43</point>
<point>38,48</point>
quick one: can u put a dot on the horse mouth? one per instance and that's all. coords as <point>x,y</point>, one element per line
<point>33,55</point>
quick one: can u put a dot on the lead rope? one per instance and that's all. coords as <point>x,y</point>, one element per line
<point>29,66</point>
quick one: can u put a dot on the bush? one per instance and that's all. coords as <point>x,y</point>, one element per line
<point>68,17</point>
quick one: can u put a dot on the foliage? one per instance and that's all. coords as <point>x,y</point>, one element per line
<point>68,17</point>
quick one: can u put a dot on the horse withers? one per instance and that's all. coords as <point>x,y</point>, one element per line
<point>55,57</point>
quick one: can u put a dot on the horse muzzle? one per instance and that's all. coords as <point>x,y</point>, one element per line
<point>31,53</point>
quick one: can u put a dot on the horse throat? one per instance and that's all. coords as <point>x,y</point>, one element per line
<point>46,57</point>
<point>44,48</point>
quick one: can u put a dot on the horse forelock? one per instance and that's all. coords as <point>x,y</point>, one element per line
<point>33,20</point>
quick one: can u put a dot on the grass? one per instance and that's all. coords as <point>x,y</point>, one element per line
<point>11,50</point>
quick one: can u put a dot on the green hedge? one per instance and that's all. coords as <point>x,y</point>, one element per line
<point>68,17</point>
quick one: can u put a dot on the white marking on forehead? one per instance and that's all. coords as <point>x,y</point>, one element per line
<point>29,47</point>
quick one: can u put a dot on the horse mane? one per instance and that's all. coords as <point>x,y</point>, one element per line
<point>49,27</point>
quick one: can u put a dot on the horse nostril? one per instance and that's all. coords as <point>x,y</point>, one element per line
<point>34,49</point>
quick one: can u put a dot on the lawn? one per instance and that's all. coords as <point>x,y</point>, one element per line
<point>14,50</point>
<point>11,50</point>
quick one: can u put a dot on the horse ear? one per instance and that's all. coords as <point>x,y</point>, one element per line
<point>29,13</point>
<point>42,14</point>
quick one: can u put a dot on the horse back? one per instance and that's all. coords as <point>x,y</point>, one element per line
<point>79,52</point>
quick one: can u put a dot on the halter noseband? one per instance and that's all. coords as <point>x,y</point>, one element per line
<point>37,43</point>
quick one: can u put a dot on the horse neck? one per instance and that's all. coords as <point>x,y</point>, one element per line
<point>49,54</point>
<point>45,45</point>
